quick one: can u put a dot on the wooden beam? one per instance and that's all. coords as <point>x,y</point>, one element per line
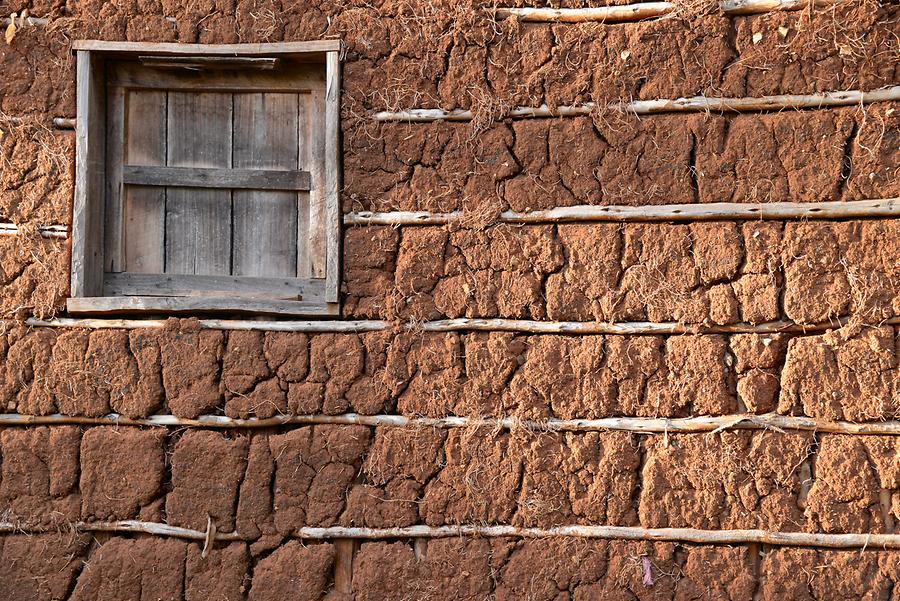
<point>649,10</point>
<point>333,163</point>
<point>863,541</point>
<point>651,107</point>
<point>151,284</point>
<point>48,231</point>
<point>714,211</point>
<point>572,328</point>
<point>90,146</point>
<point>236,50</point>
<point>201,63</point>
<point>117,305</point>
<point>642,425</point>
<point>221,178</point>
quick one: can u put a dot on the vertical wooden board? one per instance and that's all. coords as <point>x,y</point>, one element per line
<point>145,207</point>
<point>344,550</point>
<point>198,221</point>
<point>304,123</point>
<point>265,222</point>
<point>113,235</point>
<point>314,112</point>
<point>332,175</point>
<point>90,149</point>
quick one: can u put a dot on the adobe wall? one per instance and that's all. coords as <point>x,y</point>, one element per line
<point>260,485</point>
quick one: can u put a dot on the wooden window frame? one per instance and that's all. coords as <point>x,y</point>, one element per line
<point>168,293</point>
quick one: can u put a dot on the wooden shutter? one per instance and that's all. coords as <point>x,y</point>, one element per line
<point>221,187</point>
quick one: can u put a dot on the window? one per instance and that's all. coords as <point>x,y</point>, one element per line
<point>207,179</point>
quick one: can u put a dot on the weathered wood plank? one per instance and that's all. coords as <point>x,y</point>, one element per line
<point>143,284</point>
<point>332,176</point>
<point>109,305</point>
<point>314,112</point>
<point>113,231</point>
<point>197,177</point>
<point>291,78</point>
<point>87,217</point>
<point>304,127</point>
<point>145,208</point>
<point>265,223</point>
<point>168,48</point>
<point>209,62</point>
<point>198,221</point>
<point>345,549</point>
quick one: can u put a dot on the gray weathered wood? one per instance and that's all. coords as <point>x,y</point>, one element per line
<point>304,160</point>
<point>144,284</point>
<point>87,217</point>
<point>109,305</point>
<point>198,221</point>
<point>291,78</point>
<point>332,175</point>
<point>265,223</point>
<point>314,112</point>
<point>145,207</point>
<point>167,48</point>
<point>113,234</point>
<point>209,62</point>
<point>197,177</point>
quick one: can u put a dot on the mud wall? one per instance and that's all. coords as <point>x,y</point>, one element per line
<point>259,486</point>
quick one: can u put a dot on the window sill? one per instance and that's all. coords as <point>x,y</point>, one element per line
<point>114,305</point>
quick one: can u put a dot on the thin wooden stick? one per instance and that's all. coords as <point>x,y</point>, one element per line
<point>49,231</point>
<point>679,105</point>
<point>642,425</point>
<point>866,541</point>
<point>648,10</point>
<point>58,122</point>
<point>22,21</point>
<point>714,211</point>
<point>462,324</point>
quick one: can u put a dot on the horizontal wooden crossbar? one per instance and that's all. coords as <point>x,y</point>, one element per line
<point>648,10</point>
<point>574,328</point>
<point>209,62</point>
<point>649,107</point>
<point>198,177</point>
<point>640,425</point>
<point>49,231</point>
<point>152,284</point>
<point>716,211</point>
<point>685,535</point>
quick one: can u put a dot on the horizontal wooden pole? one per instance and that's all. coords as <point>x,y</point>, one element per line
<point>866,541</point>
<point>463,324</point>
<point>64,123</point>
<point>641,425</point>
<point>199,177</point>
<point>50,231</point>
<point>23,21</point>
<point>650,107</point>
<point>716,211</point>
<point>648,10</point>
